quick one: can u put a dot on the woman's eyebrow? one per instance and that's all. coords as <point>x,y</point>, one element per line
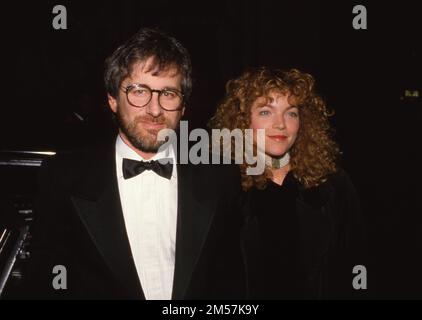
<point>264,105</point>
<point>272,107</point>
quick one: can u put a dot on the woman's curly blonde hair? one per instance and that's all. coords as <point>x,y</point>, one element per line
<point>314,154</point>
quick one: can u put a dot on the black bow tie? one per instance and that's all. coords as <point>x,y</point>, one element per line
<point>132,168</point>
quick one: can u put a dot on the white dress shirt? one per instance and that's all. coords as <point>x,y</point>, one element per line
<point>149,204</point>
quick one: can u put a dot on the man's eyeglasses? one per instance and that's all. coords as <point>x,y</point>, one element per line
<point>139,95</point>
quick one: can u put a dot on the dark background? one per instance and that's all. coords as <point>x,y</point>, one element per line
<point>363,74</point>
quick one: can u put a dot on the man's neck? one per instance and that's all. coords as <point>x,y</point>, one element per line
<point>144,155</point>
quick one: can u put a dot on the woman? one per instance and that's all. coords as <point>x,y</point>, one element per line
<point>302,234</point>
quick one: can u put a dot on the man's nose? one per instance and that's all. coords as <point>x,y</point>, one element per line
<point>153,108</point>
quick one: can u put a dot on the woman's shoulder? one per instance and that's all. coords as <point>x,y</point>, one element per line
<point>341,181</point>
<point>337,188</point>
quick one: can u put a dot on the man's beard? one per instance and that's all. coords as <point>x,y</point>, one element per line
<point>145,140</point>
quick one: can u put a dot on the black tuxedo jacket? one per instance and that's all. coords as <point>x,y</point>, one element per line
<point>79,225</point>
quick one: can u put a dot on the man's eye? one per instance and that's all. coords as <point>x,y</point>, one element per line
<point>140,92</point>
<point>169,94</point>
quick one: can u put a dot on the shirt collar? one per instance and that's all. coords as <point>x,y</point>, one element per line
<point>124,151</point>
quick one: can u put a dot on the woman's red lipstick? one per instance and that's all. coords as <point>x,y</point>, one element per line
<point>278,137</point>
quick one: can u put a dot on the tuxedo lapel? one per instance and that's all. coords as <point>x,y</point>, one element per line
<point>193,222</point>
<point>98,205</point>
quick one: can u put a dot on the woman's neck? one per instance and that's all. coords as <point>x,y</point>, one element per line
<point>280,174</point>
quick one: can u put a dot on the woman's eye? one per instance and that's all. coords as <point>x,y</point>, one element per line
<point>293,114</point>
<point>264,113</point>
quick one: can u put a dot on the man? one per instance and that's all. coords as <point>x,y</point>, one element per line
<point>124,221</point>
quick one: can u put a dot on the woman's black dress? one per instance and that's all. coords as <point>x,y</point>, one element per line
<point>303,243</point>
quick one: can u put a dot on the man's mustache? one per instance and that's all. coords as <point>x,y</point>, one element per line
<point>158,120</point>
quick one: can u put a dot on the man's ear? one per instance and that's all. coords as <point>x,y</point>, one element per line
<point>183,111</point>
<point>112,102</point>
